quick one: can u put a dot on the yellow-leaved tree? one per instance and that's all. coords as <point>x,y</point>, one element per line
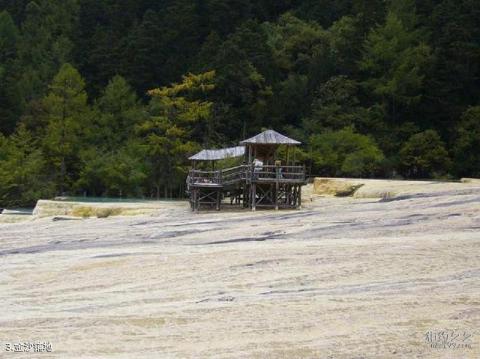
<point>176,111</point>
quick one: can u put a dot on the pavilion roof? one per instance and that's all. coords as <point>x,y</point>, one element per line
<point>220,154</point>
<point>270,137</point>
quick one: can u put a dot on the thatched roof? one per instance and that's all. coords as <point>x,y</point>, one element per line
<point>270,137</point>
<point>214,155</point>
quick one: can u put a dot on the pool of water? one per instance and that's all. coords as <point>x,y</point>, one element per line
<point>17,211</point>
<point>112,200</point>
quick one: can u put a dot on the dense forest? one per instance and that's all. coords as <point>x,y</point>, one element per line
<point>108,97</point>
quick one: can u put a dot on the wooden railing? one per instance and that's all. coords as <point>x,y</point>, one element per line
<point>247,173</point>
<point>280,173</point>
<point>234,174</point>
<point>219,177</point>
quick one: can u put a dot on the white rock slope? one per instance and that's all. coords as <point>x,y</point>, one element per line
<point>342,278</point>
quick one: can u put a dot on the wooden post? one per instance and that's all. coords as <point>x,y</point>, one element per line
<point>254,196</point>
<point>194,193</point>
<point>250,195</point>
<point>293,200</point>
<point>218,200</point>
<point>277,178</point>
<point>244,196</point>
<point>299,196</point>
<point>276,195</point>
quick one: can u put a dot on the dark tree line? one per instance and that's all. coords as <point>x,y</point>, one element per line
<point>97,97</point>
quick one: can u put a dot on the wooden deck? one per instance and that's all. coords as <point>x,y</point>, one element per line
<point>268,186</point>
<point>234,175</point>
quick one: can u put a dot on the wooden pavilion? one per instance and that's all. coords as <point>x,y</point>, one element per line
<point>266,179</point>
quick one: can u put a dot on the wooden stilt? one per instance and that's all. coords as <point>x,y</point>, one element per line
<point>218,200</point>
<point>276,195</point>
<point>195,198</point>
<point>293,201</point>
<point>299,196</point>
<point>254,196</point>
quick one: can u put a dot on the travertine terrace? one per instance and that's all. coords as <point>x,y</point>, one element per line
<point>340,278</point>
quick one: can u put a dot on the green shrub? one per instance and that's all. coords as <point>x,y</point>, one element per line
<point>346,153</point>
<point>467,144</point>
<point>424,156</point>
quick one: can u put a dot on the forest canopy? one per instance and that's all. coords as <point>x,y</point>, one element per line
<point>109,98</point>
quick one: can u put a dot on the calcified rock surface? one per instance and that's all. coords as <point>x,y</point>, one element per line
<point>341,278</point>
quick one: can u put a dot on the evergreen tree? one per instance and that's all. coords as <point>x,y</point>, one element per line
<point>335,107</point>
<point>224,16</point>
<point>119,173</point>
<point>301,47</point>
<point>8,38</point>
<point>119,112</point>
<point>395,58</point>
<point>167,134</point>
<point>144,68</point>
<point>67,115</point>
<point>467,144</point>
<point>346,42</point>
<point>323,12</point>
<point>241,89</point>
<point>424,155</point>
<point>16,8</point>
<point>453,83</point>
<point>10,101</point>
<point>369,13</point>
<point>23,179</point>
<point>45,44</point>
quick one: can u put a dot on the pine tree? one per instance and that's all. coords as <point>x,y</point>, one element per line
<point>453,84</point>
<point>23,178</point>
<point>119,111</point>
<point>45,44</point>
<point>145,68</point>
<point>394,61</point>
<point>369,14</point>
<point>175,112</point>
<point>335,107</point>
<point>67,115</point>
<point>467,144</point>
<point>10,101</point>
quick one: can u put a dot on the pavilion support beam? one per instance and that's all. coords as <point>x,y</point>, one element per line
<point>293,199</point>
<point>218,200</point>
<point>245,198</point>
<point>276,195</point>
<point>254,196</point>
<point>195,200</point>
<point>299,196</point>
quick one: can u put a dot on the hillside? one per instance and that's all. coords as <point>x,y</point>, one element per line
<point>109,98</point>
